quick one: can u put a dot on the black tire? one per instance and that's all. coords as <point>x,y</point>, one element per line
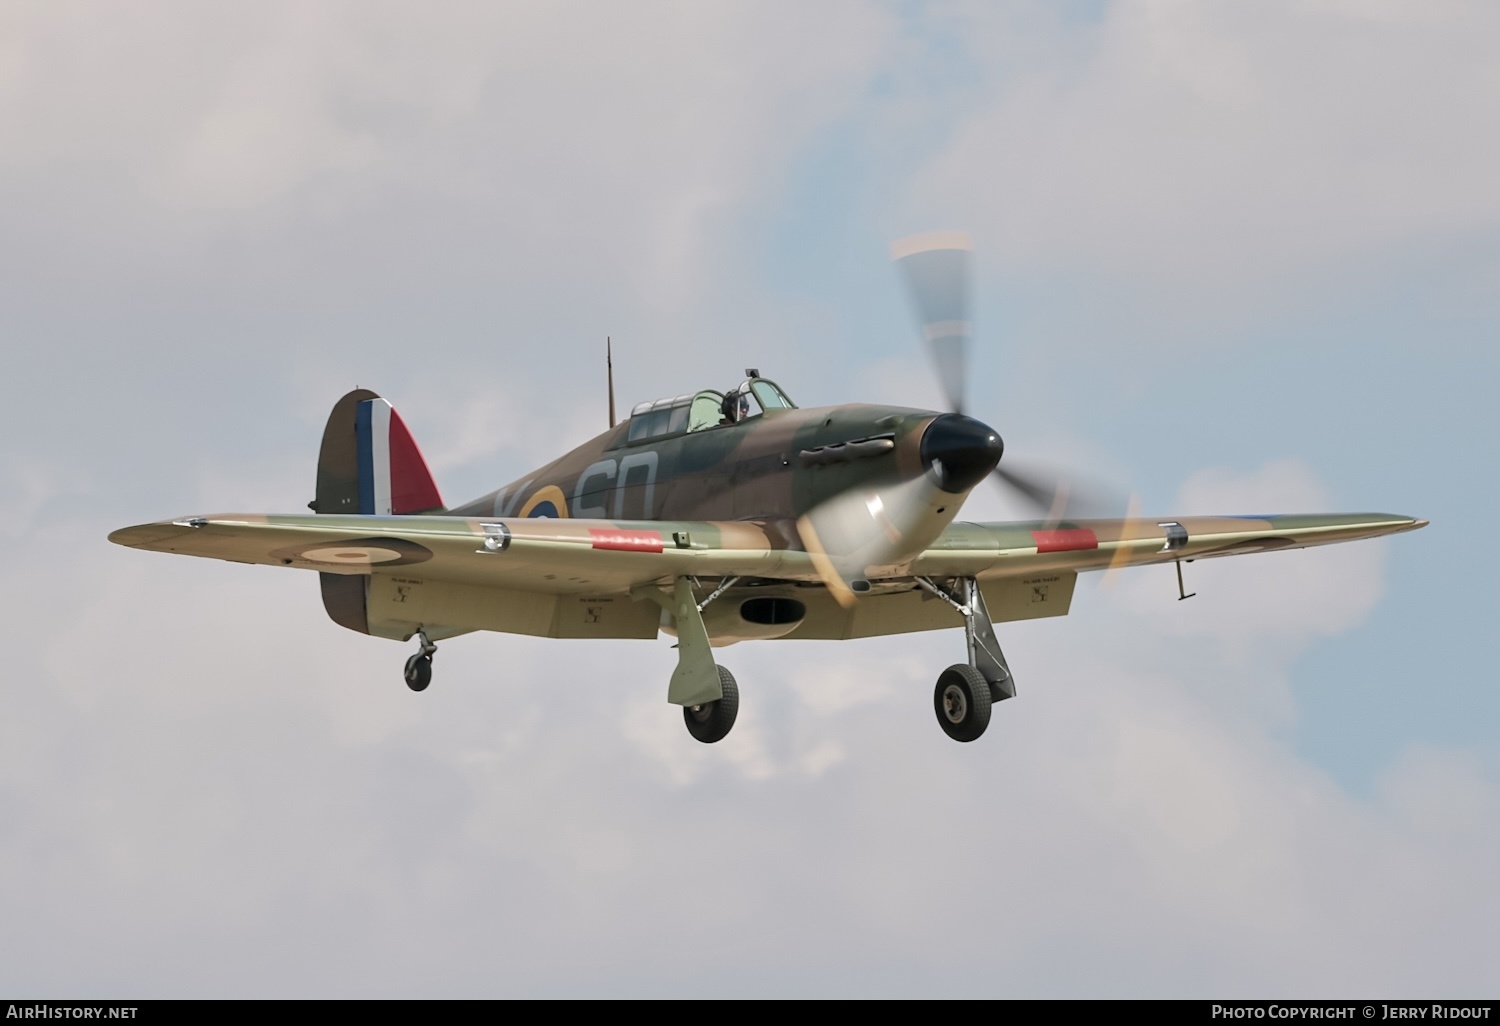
<point>962,702</point>
<point>419,672</point>
<point>711,721</point>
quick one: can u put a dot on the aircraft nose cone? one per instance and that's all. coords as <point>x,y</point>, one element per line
<point>960,450</point>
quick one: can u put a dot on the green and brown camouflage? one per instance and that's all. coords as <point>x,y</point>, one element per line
<point>715,524</point>
<point>751,454</point>
<point>726,517</point>
<point>545,575</point>
<point>711,501</point>
<point>779,463</point>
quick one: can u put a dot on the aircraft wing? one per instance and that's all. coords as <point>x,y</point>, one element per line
<point>561,578</point>
<point>1008,549</point>
<point>573,578</point>
<point>568,556</point>
<point>554,556</point>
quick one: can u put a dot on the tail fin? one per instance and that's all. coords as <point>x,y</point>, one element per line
<point>368,464</point>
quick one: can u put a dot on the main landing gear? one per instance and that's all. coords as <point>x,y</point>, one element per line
<point>710,721</point>
<point>962,702</point>
<point>966,692</point>
<point>419,666</point>
<point>709,697</point>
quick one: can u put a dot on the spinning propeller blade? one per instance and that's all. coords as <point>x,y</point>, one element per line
<point>1055,496</point>
<point>937,268</point>
<point>870,526</point>
<point>883,524</point>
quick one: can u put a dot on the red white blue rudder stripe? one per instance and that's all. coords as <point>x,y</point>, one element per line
<point>393,476</point>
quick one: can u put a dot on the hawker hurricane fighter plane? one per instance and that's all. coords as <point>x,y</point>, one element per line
<point>724,517</point>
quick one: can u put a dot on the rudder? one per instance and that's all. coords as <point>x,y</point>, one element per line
<point>368,464</point>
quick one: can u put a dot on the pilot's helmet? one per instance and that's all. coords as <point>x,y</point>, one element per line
<point>736,407</point>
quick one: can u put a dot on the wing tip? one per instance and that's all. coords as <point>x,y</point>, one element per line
<point>1398,522</point>
<point>146,536</point>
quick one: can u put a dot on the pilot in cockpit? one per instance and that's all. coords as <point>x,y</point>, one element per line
<point>736,407</point>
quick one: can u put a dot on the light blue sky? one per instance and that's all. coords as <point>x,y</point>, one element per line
<point>1239,259</point>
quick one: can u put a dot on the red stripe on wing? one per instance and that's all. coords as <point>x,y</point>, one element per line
<point>1069,540</point>
<point>627,541</point>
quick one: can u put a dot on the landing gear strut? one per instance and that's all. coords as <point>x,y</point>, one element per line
<point>966,692</point>
<point>419,666</point>
<point>709,697</point>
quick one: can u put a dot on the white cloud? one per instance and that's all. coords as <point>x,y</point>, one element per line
<point>203,762</point>
<point>30,485</point>
<point>582,134</point>
<point>1290,596</point>
<point>207,788</point>
<point>1442,794</point>
<point>1207,153</point>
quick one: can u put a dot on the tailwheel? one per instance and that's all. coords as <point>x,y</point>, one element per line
<point>711,721</point>
<point>419,672</point>
<point>962,702</point>
<point>419,666</point>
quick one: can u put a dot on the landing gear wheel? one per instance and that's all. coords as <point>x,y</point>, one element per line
<point>962,702</point>
<point>419,671</point>
<point>711,721</point>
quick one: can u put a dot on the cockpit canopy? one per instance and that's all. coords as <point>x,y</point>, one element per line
<point>700,411</point>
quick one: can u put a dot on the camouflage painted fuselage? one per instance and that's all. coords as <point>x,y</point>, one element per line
<point>569,550</point>
<point>776,466</point>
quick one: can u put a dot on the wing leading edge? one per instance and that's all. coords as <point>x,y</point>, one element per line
<point>1005,549</point>
<point>568,556</point>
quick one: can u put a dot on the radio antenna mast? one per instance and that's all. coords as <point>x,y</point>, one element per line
<point>609,363</point>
